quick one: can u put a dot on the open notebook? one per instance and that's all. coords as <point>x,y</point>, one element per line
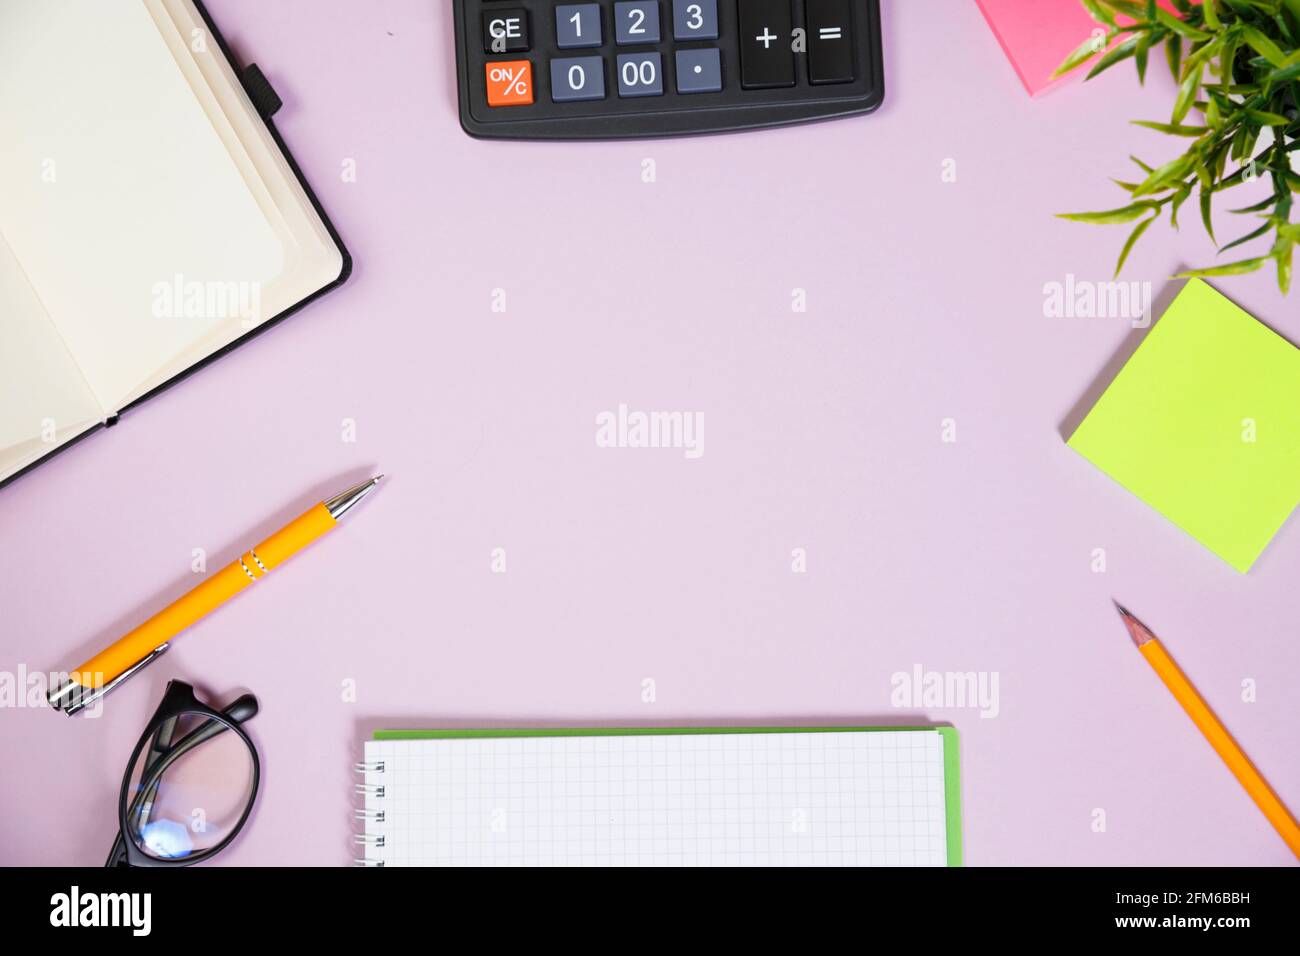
<point>149,215</point>
<point>837,796</point>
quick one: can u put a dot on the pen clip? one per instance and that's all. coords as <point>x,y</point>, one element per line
<point>73,697</point>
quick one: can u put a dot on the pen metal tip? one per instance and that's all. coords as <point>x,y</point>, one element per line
<point>341,503</point>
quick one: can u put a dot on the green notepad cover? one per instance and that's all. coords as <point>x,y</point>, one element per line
<point>951,761</point>
<point>1203,424</point>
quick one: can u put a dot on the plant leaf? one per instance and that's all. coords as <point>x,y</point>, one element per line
<point>1203,176</point>
<point>1279,77</point>
<point>1127,8</point>
<point>1086,51</point>
<point>1265,47</point>
<point>1160,178</point>
<point>1213,114</point>
<point>1099,13</point>
<point>1231,269</point>
<point>1111,216</point>
<point>1178,25</point>
<point>1258,207</point>
<point>1133,237</point>
<point>1172,129</point>
<point>1206,217</point>
<point>1187,94</point>
<point>1117,54</point>
<point>1265,118</point>
<point>1210,14</point>
<point>1247,238</point>
<point>1179,198</point>
<point>1174,54</point>
<point>1283,258</point>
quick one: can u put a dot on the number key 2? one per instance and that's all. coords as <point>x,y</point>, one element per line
<point>611,69</point>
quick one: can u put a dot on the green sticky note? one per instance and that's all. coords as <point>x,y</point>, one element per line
<point>1203,424</point>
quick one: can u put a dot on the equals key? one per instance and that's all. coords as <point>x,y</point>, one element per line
<point>830,41</point>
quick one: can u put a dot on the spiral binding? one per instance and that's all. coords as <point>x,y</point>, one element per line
<point>368,816</point>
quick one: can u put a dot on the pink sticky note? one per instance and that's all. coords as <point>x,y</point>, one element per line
<point>1038,35</point>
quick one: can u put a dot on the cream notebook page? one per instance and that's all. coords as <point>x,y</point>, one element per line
<point>44,398</point>
<point>760,799</point>
<point>122,183</point>
<point>132,160</point>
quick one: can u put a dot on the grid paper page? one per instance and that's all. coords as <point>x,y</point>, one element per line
<point>757,799</point>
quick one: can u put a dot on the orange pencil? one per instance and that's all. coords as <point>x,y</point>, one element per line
<point>1268,802</point>
<point>134,650</point>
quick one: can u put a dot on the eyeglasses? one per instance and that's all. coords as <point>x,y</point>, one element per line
<point>190,785</point>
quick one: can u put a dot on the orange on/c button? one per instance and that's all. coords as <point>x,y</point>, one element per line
<point>510,83</point>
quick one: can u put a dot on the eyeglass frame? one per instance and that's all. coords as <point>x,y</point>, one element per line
<point>179,700</point>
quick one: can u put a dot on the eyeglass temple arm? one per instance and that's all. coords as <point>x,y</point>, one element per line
<point>241,708</point>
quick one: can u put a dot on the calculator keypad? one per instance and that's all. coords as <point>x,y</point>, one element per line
<point>635,68</point>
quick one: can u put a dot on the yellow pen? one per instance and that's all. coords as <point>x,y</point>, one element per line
<point>95,678</point>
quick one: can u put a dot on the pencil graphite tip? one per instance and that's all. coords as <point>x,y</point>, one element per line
<point>1140,633</point>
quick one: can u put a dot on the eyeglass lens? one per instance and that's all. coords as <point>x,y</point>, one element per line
<point>190,785</point>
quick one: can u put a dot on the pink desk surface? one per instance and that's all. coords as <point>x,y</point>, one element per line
<point>823,432</point>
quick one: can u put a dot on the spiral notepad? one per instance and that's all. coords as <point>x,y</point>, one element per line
<point>661,797</point>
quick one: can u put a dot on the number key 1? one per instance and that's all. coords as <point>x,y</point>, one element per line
<point>577,25</point>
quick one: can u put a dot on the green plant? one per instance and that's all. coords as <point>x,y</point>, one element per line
<point>1237,65</point>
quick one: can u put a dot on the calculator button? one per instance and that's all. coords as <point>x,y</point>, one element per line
<point>695,19</point>
<point>699,71</point>
<point>577,78</point>
<point>766,53</point>
<point>830,41</point>
<point>640,74</point>
<point>577,25</point>
<point>636,22</point>
<point>505,31</point>
<point>510,83</point>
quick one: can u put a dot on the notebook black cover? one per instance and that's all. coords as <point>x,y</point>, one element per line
<point>266,102</point>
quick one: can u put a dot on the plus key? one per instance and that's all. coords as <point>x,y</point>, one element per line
<point>766,44</point>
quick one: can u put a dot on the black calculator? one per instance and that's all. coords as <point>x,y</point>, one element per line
<point>622,69</point>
